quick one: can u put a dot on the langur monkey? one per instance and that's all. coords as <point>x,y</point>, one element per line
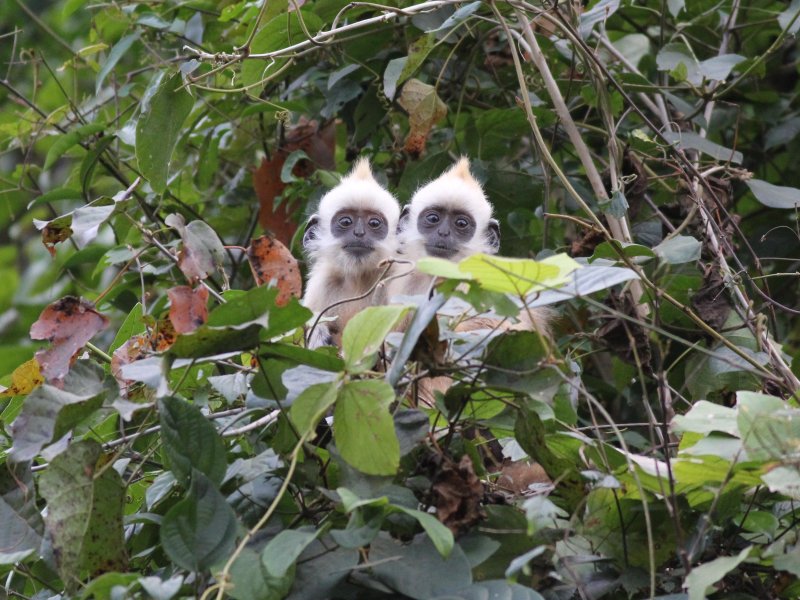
<point>451,218</point>
<point>353,230</point>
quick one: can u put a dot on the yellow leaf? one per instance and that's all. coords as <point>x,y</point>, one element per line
<point>24,379</point>
<point>518,275</point>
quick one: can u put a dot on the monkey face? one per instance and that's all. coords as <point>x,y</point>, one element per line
<point>445,231</point>
<point>358,231</point>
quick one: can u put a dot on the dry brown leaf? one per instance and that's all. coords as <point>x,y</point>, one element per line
<point>457,494</point>
<point>68,323</point>
<point>188,307</point>
<point>268,186</point>
<point>202,252</point>
<point>25,378</point>
<point>425,109</point>
<point>53,233</point>
<point>271,260</point>
<point>132,350</point>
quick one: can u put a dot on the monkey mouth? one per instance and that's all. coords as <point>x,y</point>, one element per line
<point>441,250</point>
<point>358,250</point>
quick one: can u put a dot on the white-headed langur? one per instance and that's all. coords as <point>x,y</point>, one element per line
<point>450,217</point>
<point>352,232</point>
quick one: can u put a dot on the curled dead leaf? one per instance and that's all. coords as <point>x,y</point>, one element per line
<point>54,232</point>
<point>188,307</point>
<point>272,261</point>
<point>68,323</point>
<point>457,494</point>
<point>202,252</point>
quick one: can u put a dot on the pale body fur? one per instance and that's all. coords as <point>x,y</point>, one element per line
<point>336,275</point>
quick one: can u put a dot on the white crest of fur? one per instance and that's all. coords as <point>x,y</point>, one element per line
<point>359,190</point>
<point>456,188</point>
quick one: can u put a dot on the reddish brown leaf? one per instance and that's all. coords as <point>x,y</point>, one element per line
<point>319,143</point>
<point>202,252</point>
<point>271,260</point>
<point>132,350</point>
<point>188,309</point>
<point>268,186</point>
<point>69,323</point>
<point>424,108</point>
<point>457,495</point>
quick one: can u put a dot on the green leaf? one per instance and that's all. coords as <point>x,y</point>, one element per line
<point>611,250</point>
<point>364,334</point>
<point>459,16</point>
<point>687,140</point>
<point>705,417</point>
<point>518,361</point>
<point>706,575</point>
<point>159,127</point>
<point>679,249</point>
<point>132,325</point>
<point>418,570</point>
<point>320,570</point>
<point>282,551</point>
<point>279,32</point>
<point>21,532</point>
<point>191,443</point>
<point>252,581</point>
<point>774,196</point>
<point>85,499</point>
<point>438,533</point>
<point>68,140</point>
<point>363,428</point>
<point>310,406</point>
<point>519,275</point>
<point>494,588</point>
<point>117,52</point>
<point>50,412</point>
<point>200,530</point>
<point>102,588</point>
<point>203,253</point>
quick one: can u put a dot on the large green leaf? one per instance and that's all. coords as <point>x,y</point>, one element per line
<point>191,442</point>
<point>705,575</point>
<point>85,498</point>
<point>159,127</point>
<point>363,428</point>
<point>68,140</point>
<point>282,551</point>
<point>310,406</point>
<point>200,530</point>
<point>252,580</point>
<point>364,334</point>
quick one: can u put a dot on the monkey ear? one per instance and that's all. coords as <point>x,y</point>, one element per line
<point>402,222</point>
<point>312,230</point>
<point>493,236</point>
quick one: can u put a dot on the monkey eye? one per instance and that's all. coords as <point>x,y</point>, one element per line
<point>432,218</point>
<point>462,222</point>
<point>375,223</point>
<point>345,221</point>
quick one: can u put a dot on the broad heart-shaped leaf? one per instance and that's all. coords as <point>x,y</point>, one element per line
<point>279,32</point>
<point>200,530</point>
<point>21,532</point>
<point>679,249</point>
<point>497,589</point>
<point>320,569</point>
<point>310,406</point>
<point>774,196</point>
<point>159,127</point>
<point>708,574</point>
<point>50,412</point>
<point>282,551</point>
<point>705,417</point>
<point>252,581</point>
<point>417,570</point>
<point>364,334</point>
<point>191,442</point>
<point>363,428</point>
<point>85,498</point>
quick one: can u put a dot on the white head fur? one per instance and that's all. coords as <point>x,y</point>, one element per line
<point>357,190</point>
<point>456,188</point>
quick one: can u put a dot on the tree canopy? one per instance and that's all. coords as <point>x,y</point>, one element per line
<point>166,432</point>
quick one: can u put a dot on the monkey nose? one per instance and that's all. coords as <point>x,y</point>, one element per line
<point>444,232</point>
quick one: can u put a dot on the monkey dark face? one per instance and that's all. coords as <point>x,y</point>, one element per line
<point>359,231</point>
<point>445,231</point>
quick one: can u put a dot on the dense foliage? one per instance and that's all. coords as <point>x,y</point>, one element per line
<point>172,436</point>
